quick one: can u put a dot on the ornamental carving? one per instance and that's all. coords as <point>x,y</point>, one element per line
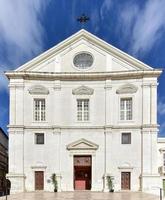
<point>82,161</point>
<point>127,89</point>
<point>83,90</point>
<point>82,144</point>
<point>38,89</point>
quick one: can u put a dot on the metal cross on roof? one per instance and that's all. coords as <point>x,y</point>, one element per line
<point>83,19</point>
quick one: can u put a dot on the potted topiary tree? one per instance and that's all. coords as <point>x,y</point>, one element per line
<point>110,183</point>
<point>54,181</point>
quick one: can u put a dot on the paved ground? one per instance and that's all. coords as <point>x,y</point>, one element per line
<point>81,196</point>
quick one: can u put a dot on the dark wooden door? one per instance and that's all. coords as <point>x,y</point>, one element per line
<point>125,180</point>
<point>39,180</point>
<point>82,172</point>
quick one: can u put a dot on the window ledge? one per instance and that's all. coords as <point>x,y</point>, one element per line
<point>39,122</point>
<point>82,122</point>
<point>126,121</point>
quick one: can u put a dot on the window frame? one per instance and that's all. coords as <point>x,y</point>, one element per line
<point>125,110</point>
<point>83,110</point>
<point>35,138</point>
<point>134,111</point>
<point>40,111</point>
<point>129,139</point>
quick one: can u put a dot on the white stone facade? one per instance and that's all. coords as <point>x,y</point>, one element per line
<point>53,77</point>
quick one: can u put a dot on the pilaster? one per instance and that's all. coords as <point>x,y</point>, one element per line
<point>108,102</point>
<point>153,103</point>
<point>146,103</point>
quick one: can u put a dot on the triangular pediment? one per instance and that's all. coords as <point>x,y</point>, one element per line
<point>49,60</point>
<point>82,144</point>
<point>82,90</point>
<point>127,89</point>
<point>38,90</point>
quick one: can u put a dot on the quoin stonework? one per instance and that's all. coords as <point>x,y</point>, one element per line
<point>84,110</point>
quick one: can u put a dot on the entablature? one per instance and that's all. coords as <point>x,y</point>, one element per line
<point>83,76</point>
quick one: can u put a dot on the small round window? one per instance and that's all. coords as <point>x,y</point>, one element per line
<point>83,60</point>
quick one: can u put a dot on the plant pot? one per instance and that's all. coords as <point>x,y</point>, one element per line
<point>111,190</point>
<point>55,190</point>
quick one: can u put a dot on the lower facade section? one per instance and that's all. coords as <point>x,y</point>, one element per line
<point>17,183</point>
<point>82,159</point>
<point>81,180</point>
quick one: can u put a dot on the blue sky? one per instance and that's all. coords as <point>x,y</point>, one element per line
<point>30,27</point>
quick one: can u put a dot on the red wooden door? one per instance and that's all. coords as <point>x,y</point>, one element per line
<point>82,172</point>
<point>125,180</point>
<point>39,180</point>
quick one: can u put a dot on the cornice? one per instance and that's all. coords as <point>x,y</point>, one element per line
<point>151,128</point>
<point>83,75</point>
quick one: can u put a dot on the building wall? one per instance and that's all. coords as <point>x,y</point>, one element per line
<point>3,160</point>
<point>61,113</point>
<point>104,129</point>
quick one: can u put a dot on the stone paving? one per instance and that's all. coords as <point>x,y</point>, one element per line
<point>79,195</point>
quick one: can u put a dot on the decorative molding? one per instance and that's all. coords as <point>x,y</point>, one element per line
<point>107,128</point>
<point>154,85</point>
<point>38,89</point>
<point>15,175</point>
<point>108,85</point>
<point>127,89</point>
<point>162,149</point>
<point>125,166</point>
<point>39,167</point>
<point>83,75</point>
<point>16,86</point>
<point>57,85</point>
<point>83,90</point>
<point>146,85</point>
<point>82,144</point>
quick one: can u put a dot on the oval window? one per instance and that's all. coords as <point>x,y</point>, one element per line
<point>83,60</point>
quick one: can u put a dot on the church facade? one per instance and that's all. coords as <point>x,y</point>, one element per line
<point>85,111</point>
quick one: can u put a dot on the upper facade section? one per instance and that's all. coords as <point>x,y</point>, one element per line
<point>83,52</point>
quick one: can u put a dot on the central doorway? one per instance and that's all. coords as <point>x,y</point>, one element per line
<point>82,172</point>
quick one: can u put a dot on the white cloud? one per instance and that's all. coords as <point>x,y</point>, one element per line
<point>106,6</point>
<point>95,20</point>
<point>21,31</point>
<point>143,25</point>
<point>161,113</point>
<point>161,108</point>
<point>20,25</point>
<point>162,129</point>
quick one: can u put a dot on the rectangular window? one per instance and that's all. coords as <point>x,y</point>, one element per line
<point>126,138</point>
<point>39,138</point>
<point>82,109</point>
<point>39,109</point>
<point>126,109</point>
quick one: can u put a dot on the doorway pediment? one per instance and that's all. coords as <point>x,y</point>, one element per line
<point>82,144</point>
